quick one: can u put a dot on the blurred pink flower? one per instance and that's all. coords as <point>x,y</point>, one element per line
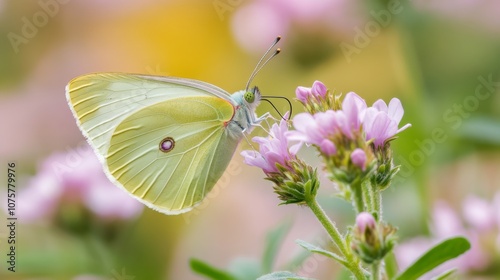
<point>381,121</point>
<point>260,21</point>
<point>272,149</point>
<point>74,178</point>
<point>479,214</point>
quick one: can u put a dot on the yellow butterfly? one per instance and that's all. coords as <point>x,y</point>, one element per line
<point>164,140</point>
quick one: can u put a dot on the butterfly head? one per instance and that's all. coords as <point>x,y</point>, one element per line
<point>252,95</point>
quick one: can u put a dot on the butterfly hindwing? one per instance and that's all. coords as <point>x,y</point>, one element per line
<point>173,178</point>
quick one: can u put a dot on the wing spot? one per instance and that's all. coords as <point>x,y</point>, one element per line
<point>167,144</point>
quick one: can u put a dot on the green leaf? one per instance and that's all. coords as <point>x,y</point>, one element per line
<point>391,265</point>
<point>209,271</point>
<point>282,275</point>
<point>444,251</point>
<point>445,275</point>
<point>315,249</point>
<point>273,242</point>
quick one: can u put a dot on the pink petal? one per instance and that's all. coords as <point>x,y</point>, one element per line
<point>354,107</point>
<point>395,110</point>
<point>380,105</point>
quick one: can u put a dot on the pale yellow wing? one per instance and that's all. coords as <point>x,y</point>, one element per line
<point>169,155</point>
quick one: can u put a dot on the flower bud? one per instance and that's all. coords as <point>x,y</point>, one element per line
<point>365,221</point>
<point>358,157</point>
<point>371,240</point>
<point>303,94</point>
<point>328,147</point>
<point>319,89</point>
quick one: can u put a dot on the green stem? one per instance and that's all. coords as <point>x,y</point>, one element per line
<point>377,201</point>
<point>376,271</point>
<point>368,195</point>
<point>357,197</point>
<point>329,225</point>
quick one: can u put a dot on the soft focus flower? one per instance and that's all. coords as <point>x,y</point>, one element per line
<point>78,180</point>
<point>358,157</point>
<point>365,220</point>
<point>278,17</point>
<point>479,213</point>
<point>272,149</point>
<point>381,122</point>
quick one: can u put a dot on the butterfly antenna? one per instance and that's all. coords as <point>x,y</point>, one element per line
<point>260,64</point>
<point>280,97</point>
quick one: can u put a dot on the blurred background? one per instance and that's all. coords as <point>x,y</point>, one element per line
<point>441,58</point>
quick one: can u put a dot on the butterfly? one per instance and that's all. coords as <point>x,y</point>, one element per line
<point>164,140</point>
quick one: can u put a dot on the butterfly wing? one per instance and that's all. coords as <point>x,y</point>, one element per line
<point>101,101</point>
<point>167,145</point>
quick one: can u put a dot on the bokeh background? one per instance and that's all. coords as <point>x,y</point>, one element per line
<point>441,58</point>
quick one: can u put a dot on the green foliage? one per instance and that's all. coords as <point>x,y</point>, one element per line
<point>209,271</point>
<point>444,251</point>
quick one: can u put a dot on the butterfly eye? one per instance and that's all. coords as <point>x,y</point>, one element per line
<point>249,97</point>
<point>167,144</point>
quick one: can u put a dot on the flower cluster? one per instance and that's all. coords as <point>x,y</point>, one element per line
<point>293,179</point>
<point>352,138</point>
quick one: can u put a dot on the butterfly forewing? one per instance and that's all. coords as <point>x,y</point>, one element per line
<point>101,101</point>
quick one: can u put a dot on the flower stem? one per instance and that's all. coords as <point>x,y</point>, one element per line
<point>368,195</point>
<point>357,196</point>
<point>376,271</point>
<point>377,202</point>
<point>329,225</point>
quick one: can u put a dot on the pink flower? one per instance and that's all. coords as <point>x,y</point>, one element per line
<point>381,122</point>
<point>358,157</point>
<point>272,149</point>
<point>365,220</point>
<point>317,91</point>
